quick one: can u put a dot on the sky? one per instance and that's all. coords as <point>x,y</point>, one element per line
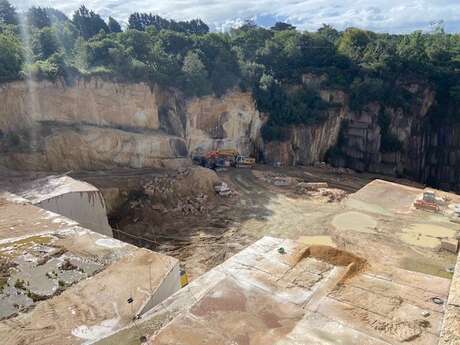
<point>394,16</point>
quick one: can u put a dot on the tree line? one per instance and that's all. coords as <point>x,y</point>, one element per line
<point>269,62</point>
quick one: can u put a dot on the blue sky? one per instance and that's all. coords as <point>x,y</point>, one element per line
<point>379,15</point>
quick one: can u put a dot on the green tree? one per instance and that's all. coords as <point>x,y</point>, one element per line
<point>353,43</point>
<point>66,34</point>
<point>280,26</point>
<point>411,49</point>
<point>44,43</point>
<point>196,74</point>
<point>163,68</point>
<point>8,13</point>
<point>220,60</point>
<point>88,23</point>
<point>55,15</point>
<point>11,57</point>
<point>249,39</point>
<point>113,25</point>
<point>138,43</point>
<point>141,21</point>
<point>328,32</point>
<point>38,17</point>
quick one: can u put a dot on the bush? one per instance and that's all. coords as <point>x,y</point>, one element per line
<point>11,57</point>
<point>271,132</point>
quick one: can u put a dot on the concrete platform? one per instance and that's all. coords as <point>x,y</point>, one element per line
<point>63,284</point>
<point>297,295</point>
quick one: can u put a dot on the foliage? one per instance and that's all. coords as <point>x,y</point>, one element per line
<point>196,75</point>
<point>88,23</point>
<point>8,13</point>
<point>38,17</point>
<point>389,142</point>
<point>269,62</point>
<point>11,57</point>
<point>55,15</point>
<point>280,26</point>
<point>113,25</point>
<point>300,106</point>
<point>44,43</point>
<point>141,21</point>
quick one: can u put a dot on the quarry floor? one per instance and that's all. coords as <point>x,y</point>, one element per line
<point>202,230</point>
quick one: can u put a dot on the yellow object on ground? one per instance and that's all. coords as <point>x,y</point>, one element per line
<point>183,279</point>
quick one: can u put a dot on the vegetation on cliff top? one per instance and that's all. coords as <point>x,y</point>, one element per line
<point>269,62</point>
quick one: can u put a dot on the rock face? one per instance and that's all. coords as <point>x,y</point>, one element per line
<point>228,122</point>
<point>423,148</point>
<point>306,144</point>
<point>98,124</point>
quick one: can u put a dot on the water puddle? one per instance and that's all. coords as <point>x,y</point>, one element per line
<point>426,235</point>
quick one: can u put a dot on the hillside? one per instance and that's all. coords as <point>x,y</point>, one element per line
<point>80,93</point>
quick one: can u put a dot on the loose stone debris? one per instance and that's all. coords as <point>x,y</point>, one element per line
<point>222,189</point>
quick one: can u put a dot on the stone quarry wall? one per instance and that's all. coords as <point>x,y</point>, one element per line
<point>86,208</point>
<point>100,124</point>
<point>429,149</point>
<point>306,144</point>
<point>169,286</point>
<point>228,122</point>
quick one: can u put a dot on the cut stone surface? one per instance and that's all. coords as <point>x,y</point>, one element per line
<point>450,244</point>
<point>64,284</point>
<point>308,295</point>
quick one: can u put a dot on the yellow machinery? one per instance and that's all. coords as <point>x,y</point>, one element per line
<point>183,278</point>
<point>245,162</point>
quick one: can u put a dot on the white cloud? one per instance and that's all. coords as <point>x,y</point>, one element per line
<point>378,15</point>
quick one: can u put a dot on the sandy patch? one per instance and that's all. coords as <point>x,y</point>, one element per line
<point>317,240</point>
<point>355,221</point>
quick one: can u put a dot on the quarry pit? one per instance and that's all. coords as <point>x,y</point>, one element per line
<point>297,251</point>
<point>178,213</point>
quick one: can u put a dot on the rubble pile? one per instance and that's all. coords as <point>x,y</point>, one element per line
<point>332,194</point>
<point>303,187</point>
<point>159,186</point>
<point>278,180</point>
<point>339,171</point>
<point>194,205</point>
<point>222,189</point>
<point>187,191</point>
<point>321,190</point>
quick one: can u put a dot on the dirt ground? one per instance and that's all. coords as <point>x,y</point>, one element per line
<point>175,214</point>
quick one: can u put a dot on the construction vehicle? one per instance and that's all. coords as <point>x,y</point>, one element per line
<point>245,162</point>
<point>222,159</point>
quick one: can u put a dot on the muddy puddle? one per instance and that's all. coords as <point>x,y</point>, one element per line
<point>426,235</point>
<point>35,269</point>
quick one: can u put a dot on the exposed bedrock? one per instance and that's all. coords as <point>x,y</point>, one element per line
<point>96,124</point>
